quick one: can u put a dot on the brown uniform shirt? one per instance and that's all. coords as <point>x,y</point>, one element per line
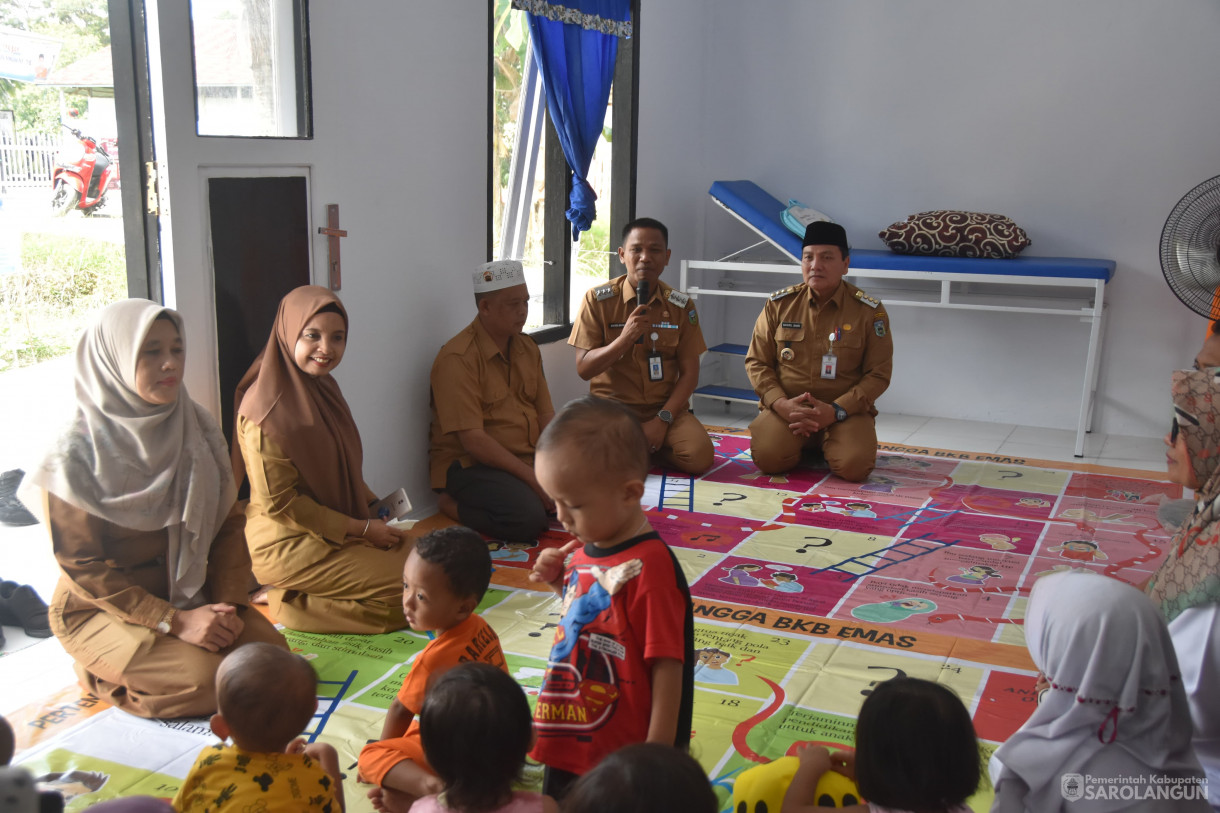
<point>287,529</point>
<point>673,318</point>
<point>108,568</point>
<point>793,320</point>
<point>475,387</point>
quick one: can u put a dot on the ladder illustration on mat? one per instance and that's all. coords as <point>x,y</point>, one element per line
<point>677,492</point>
<point>868,564</point>
<point>326,705</point>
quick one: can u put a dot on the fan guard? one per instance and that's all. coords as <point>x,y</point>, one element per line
<point>1190,249</point>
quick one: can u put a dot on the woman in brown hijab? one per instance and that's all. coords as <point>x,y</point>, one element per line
<point>330,566</point>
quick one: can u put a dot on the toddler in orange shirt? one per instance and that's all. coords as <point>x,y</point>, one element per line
<point>444,580</point>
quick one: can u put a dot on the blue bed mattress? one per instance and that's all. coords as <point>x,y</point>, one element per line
<point>757,207</point>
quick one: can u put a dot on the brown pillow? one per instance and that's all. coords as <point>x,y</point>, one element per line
<point>948,233</point>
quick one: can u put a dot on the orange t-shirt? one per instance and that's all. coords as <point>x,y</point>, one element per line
<point>471,640</point>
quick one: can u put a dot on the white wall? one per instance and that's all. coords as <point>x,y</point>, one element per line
<point>400,118</point>
<point>1084,121</point>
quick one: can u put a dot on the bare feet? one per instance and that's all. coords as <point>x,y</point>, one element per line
<point>388,800</point>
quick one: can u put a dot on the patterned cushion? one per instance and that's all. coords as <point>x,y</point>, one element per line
<point>948,233</point>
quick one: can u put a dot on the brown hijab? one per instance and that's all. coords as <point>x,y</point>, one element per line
<point>306,416</point>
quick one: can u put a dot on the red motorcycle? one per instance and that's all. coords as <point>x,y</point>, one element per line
<point>81,180</point>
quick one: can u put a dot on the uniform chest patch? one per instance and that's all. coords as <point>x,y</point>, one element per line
<point>793,325</point>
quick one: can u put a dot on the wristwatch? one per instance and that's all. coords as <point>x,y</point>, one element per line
<point>840,412</point>
<point>163,626</point>
<point>666,416</point>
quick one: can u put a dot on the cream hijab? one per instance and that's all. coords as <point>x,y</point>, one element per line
<point>137,465</point>
<point>1116,705</point>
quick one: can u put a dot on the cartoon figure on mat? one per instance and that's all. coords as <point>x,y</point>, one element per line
<point>974,575</point>
<point>999,541</point>
<point>846,509</point>
<point>885,461</point>
<point>710,668</point>
<point>510,551</point>
<point>880,484</point>
<point>886,612</point>
<point>73,783</point>
<point>783,582</point>
<point>1033,502</point>
<point>1080,550</point>
<point>580,611</point>
<point>739,574</point>
<point>1087,516</point>
<point>860,509</point>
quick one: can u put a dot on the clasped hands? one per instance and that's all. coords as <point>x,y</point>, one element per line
<point>805,414</point>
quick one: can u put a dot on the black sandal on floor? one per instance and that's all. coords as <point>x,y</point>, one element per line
<point>21,607</point>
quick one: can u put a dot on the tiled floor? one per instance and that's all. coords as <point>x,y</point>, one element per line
<point>1028,442</point>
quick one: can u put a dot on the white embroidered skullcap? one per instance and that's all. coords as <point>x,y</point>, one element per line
<point>498,274</point>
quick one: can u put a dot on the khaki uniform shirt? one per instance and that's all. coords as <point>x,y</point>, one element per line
<point>793,333</point>
<point>475,387</point>
<point>673,319</point>
<point>123,572</point>
<point>287,529</point>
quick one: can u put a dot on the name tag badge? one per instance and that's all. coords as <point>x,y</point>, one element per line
<point>655,370</point>
<point>830,364</point>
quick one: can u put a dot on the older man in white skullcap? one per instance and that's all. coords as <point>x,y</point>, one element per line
<point>489,404</point>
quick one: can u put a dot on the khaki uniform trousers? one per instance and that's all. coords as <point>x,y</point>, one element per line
<point>850,446</point>
<point>152,675</point>
<point>355,589</point>
<point>686,446</point>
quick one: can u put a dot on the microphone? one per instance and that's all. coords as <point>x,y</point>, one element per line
<point>641,298</point>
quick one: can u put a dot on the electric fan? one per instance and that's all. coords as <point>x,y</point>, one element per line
<point>1190,249</point>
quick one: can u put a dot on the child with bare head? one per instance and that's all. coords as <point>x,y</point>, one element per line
<point>477,731</point>
<point>265,698</point>
<point>444,580</point>
<point>627,635</point>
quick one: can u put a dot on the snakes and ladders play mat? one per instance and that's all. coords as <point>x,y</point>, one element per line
<point>807,590</point>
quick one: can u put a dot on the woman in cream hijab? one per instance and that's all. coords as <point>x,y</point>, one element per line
<point>1113,730</point>
<point>139,497</point>
<point>330,565</point>
<point>1187,585</point>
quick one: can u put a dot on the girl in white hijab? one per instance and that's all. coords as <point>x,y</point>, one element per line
<point>1113,731</point>
<point>139,497</point>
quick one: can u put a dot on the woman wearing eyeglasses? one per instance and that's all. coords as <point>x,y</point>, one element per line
<point>1187,585</point>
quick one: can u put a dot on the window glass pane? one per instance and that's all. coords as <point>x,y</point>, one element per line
<point>519,180</point>
<point>592,260</point>
<point>250,68</point>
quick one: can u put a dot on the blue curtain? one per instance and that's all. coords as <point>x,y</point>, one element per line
<point>575,43</point>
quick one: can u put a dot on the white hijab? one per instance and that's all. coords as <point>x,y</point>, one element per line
<point>139,465</point>
<point>1116,706</point>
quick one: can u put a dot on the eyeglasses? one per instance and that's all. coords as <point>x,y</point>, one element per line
<point>1173,431</point>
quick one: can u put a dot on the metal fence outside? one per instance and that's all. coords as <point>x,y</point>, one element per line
<point>26,161</point>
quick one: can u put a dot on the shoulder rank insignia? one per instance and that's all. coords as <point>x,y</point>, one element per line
<point>678,298</point>
<point>603,292</point>
<point>868,300</point>
<point>783,292</point>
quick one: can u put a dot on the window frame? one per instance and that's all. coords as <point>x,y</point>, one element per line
<point>557,231</point>
<point>302,71</point>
